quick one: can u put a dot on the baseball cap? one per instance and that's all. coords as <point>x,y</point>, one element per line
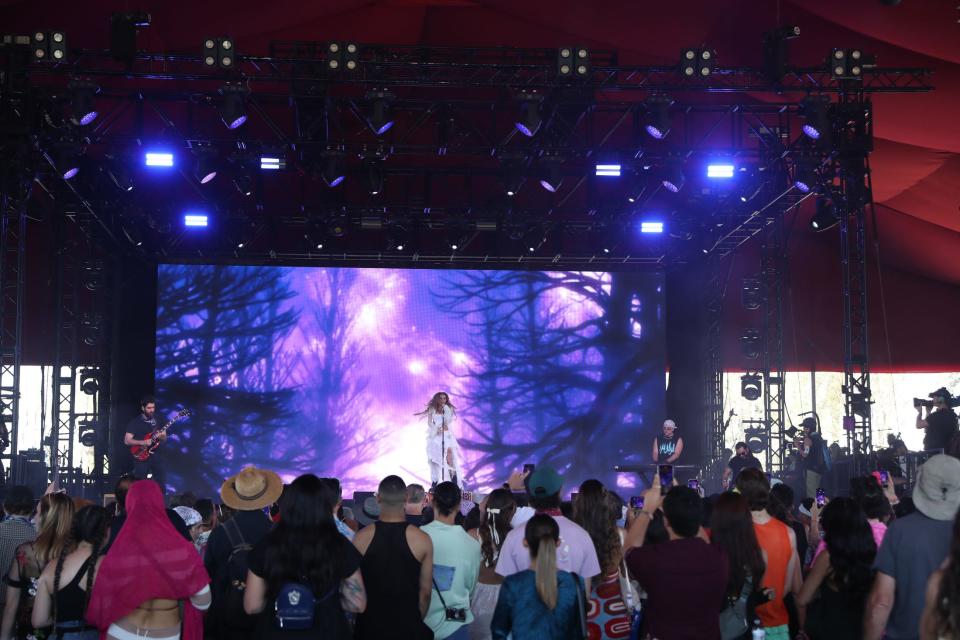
<point>543,482</point>
<point>937,492</point>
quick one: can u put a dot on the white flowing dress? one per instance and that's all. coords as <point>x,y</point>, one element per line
<point>437,440</point>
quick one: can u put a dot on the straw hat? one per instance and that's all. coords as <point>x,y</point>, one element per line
<point>251,489</point>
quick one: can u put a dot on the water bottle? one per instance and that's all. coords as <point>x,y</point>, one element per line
<point>758,633</point>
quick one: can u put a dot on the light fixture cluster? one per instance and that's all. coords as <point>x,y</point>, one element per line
<point>573,62</point>
<point>343,56</point>
<point>696,62</point>
<point>219,53</point>
<point>49,46</point>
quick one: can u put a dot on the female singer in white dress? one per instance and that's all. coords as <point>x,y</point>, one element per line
<point>443,451</point>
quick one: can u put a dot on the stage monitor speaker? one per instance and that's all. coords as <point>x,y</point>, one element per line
<point>27,470</point>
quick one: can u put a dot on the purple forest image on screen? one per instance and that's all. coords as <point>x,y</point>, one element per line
<point>322,369</point>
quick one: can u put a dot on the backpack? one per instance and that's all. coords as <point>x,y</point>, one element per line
<point>295,606</point>
<point>231,579</point>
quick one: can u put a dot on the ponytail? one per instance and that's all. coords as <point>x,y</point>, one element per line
<point>542,534</point>
<point>546,570</point>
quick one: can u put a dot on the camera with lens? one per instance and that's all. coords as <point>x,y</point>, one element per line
<point>939,393</point>
<point>456,615</point>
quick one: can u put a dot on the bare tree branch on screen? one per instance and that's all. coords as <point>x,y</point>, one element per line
<point>561,368</point>
<point>216,354</point>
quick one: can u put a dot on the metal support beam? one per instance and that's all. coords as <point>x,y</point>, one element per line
<point>13,228</point>
<point>856,354</point>
<point>713,427</point>
<point>66,323</point>
<point>773,272</point>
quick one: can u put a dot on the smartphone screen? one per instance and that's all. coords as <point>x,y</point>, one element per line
<point>636,502</point>
<point>821,497</point>
<point>665,471</point>
<point>884,478</point>
<point>529,468</point>
<point>693,483</point>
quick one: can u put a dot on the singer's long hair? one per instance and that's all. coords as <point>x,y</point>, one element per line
<point>436,404</point>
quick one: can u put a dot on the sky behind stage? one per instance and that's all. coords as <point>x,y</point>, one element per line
<point>322,369</point>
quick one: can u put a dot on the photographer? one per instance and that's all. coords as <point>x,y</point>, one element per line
<point>941,421</point>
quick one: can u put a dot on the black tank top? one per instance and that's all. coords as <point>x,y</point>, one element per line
<point>71,598</point>
<point>391,576</point>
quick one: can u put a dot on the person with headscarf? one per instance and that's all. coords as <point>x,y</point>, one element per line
<point>149,571</point>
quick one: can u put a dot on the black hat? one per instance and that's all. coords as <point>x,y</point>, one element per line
<point>942,393</point>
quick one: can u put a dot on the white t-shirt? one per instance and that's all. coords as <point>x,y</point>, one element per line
<point>575,553</point>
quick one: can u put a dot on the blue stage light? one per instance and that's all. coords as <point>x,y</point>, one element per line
<point>720,170</point>
<point>158,159</point>
<point>195,220</point>
<point>608,170</point>
<point>651,227</point>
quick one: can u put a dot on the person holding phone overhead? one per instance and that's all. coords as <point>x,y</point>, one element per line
<point>668,446</point>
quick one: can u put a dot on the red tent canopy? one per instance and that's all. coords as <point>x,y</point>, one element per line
<point>916,165</point>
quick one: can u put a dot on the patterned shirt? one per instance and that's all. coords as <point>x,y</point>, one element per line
<point>14,531</point>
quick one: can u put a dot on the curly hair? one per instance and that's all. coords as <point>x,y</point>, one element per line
<point>592,511</point>
<point>948,597</point>
<point>495,526</point>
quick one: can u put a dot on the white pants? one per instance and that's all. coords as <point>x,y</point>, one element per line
<point>446,471</point>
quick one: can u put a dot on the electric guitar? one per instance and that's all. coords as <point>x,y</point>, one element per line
<point>143,452</point>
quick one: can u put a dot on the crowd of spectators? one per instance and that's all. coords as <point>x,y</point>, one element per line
<point>269,560</point>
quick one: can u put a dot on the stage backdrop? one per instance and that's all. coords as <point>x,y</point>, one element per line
<point>321,370</point>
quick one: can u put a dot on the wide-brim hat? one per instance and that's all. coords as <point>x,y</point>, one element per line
<point>368,512</point>
<point>251,489</point>
<point>937,492</point>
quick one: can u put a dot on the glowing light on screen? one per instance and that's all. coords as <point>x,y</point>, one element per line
<point>323,369</point>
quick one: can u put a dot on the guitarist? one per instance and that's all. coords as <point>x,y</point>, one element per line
<point>137,429</point>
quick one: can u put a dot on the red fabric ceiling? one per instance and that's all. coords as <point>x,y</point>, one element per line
<point>916,166</point>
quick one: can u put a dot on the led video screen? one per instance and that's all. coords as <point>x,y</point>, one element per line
<point>322,369</point>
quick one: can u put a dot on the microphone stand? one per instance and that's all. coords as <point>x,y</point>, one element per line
<point>443,448</point>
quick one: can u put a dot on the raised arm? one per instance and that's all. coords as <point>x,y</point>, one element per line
<point>655,456</point>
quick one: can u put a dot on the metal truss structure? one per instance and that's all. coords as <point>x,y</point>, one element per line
<point>856,356</point>
<point>773,274</point>
<point>455,145</point>
<point>713,418</point>
<point>13,230</point>
<point>454,141</point>
<point>81,353</point>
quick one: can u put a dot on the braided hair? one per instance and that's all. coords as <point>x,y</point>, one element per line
<point>89,525</point>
